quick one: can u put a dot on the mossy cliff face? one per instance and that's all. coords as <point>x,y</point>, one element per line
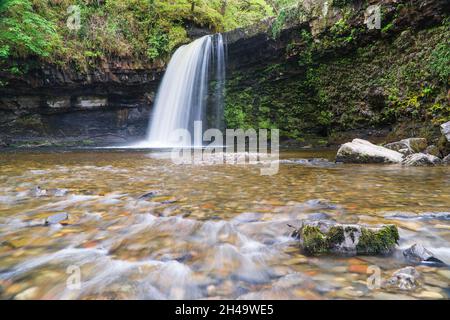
<point>330,76</point>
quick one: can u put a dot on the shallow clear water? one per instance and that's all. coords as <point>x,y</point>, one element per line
<point>208,232</point>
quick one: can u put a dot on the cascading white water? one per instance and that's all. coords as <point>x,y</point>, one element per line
<point>183,95</point>
<point>220,82</point>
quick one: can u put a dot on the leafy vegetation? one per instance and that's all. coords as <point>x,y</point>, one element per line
<point>145,30</point>
<point>23,32</point>
<point>440,62</point>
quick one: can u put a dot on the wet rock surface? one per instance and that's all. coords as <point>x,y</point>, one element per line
<point>362,151</point>
<point>445,130</point>
<point>404,279</point>
<point>421,159</point>
<point>149,195</point>
<point>446,160</point>
<point>58,105</point>
<point>417,253</point>
<point>433,150</point>
<point>320,237</point>
<point>408,146</point>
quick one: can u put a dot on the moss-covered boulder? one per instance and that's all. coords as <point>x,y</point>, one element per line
<point>446,160</point>
<point>322,237</point>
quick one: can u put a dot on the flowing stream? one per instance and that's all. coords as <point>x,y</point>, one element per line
<point>140,226</point>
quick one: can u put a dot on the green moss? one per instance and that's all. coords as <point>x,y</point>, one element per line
<point>335,236</point>
<point>440,62</point>
<point>371,241</point>
<point>376,242</point>
<point>314,241</point>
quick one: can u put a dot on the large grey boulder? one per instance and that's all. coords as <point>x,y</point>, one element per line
<point>446,160</point>
<point>417,253</point>
<point>421,159</point>
<point>408,146</point>
<point>404,279</point>
<point>322,237</point>
<point>445,129</point>
<point>362,151</point>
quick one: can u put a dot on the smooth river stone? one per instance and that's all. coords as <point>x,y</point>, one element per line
<point>362,151</point>
<point>418,253</point>
<point>412,145</point>
<point>404,279</point>
<point>421,159</point>
<point>56,218</point>
<point>445,130</point>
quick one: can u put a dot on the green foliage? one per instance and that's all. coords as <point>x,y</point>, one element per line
<point>282,4</point>
<point>342,3</point>
<point>380,241</point>
<point>238,13</point>
<point>141,30</point>
<point>157,44</point>
<point>387,27</point>
<point>278,24</point>
<point>23,32</point>
<point>288,15</point>
<point>314,240</point>
<point>440,62</point>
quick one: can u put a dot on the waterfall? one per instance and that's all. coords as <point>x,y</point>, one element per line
<point>183,94</point>
<point>220,82</point>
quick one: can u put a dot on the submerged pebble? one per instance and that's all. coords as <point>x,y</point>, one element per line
<point>56,218</point>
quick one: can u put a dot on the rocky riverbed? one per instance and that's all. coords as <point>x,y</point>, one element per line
<point>135,225</point>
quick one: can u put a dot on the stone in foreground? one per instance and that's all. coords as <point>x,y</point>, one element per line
<point>445,130</point>
<point>58,218</point>
<point>421,159</point>
<point>433,150</point>
<point>404,279</point>
<point>419,254</point>
<point>446,160</point>
<point>321,237</point>
<point>362,151</point>
<point>411,145</point>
